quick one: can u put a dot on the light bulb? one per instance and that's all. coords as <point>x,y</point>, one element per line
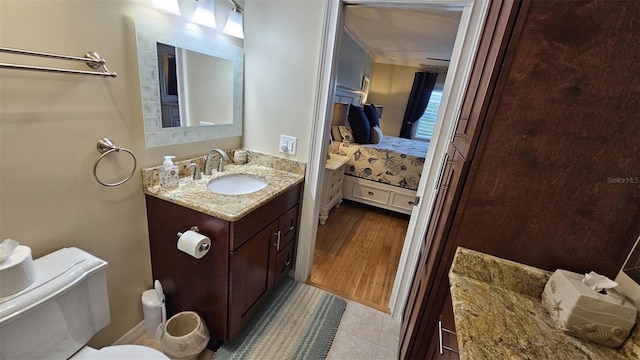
<point>167,5</point>
<point>233,26</point>
<point>204,14</point>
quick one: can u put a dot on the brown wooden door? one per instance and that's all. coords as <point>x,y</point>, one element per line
<point>484,74</point>
<point>421,313</point>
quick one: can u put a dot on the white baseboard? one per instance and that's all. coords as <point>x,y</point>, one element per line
<point>132,335</point>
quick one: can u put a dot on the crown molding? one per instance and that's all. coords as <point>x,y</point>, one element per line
<point>353,35</point>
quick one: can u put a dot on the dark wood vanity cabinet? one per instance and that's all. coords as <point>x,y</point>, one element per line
<point>247,260</point>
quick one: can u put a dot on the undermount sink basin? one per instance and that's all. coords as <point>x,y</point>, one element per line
<point>237,184</point>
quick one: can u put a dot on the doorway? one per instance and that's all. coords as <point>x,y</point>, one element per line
<point>381,49</point>
<point>473,14</point>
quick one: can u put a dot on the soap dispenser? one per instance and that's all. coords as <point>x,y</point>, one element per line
<point>169,173</point>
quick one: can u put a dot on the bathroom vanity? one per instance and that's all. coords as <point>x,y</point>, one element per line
<point>499,314</point>
<point>253,245</point>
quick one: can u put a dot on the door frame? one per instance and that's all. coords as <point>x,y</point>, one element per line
<point>466,45</point>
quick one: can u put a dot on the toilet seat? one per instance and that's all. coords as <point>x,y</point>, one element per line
<point>120,352</point>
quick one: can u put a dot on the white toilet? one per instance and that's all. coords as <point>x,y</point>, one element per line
<point>61,311</point>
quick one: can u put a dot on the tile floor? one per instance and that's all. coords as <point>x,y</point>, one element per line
<point>364,334</point>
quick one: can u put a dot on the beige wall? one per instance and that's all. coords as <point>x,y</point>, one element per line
<point>282,52</point>
<point>390,87</point>
<point>49,126</point>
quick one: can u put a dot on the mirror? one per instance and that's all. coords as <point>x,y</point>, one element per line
<point>191,84</point>
<point>183,75</point>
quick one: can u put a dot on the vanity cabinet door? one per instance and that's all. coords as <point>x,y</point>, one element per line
<point>250,277</point>
<point>262,249</point>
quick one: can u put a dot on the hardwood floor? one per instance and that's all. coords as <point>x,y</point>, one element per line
<point>357,253</point>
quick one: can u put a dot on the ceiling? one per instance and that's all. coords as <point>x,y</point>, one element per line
<point>407,37</point>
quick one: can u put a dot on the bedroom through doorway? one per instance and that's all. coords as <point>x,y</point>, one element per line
<point>359,242</point>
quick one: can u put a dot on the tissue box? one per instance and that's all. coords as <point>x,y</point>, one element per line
<point>582,312</point>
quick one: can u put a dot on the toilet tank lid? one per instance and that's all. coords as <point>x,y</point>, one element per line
<point>56,273</point>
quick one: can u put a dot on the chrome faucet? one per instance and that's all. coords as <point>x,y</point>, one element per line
<point>207,164</point>
<point>196,171</point>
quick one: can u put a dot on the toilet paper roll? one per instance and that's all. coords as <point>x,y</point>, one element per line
<point>17,272</point>
<point>194,244</point>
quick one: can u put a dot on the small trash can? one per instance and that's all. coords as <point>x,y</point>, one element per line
<point>152,310</point>
<point>185,336</point>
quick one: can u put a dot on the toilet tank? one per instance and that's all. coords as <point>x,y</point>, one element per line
<point>60,312</point>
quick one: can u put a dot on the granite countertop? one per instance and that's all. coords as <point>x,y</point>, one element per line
<point>499,314</point>
<point>194,194</point>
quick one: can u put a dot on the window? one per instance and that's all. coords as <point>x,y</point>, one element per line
<point>427,121</point>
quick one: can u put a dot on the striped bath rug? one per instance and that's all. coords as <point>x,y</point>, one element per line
<point>298,321</point>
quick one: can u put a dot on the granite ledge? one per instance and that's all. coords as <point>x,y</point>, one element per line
<point>499,315</point>
<point>193,194</point>
<point>150,175</point>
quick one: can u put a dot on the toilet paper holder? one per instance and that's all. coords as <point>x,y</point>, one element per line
<point>203,247</point>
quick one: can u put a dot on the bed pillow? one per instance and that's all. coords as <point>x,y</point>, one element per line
<point>372,115</point>
<point>346,134</point>
<point>376,135</point>
<point>359,125</point>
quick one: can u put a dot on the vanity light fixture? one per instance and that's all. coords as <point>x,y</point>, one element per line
<point>234,26</point>
<point>170,6</point>
<point>204,14</point>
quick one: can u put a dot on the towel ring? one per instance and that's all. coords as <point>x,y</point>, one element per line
<point>107,146</point>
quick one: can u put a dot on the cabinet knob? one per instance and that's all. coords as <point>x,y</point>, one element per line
<point>370,193</point>
<point>287,263</point>
<point>291,228</point>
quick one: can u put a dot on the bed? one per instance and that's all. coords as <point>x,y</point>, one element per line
<point>385,174</point>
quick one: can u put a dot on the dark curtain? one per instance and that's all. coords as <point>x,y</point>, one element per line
<point>172,77</point>
<point>423,84</point>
